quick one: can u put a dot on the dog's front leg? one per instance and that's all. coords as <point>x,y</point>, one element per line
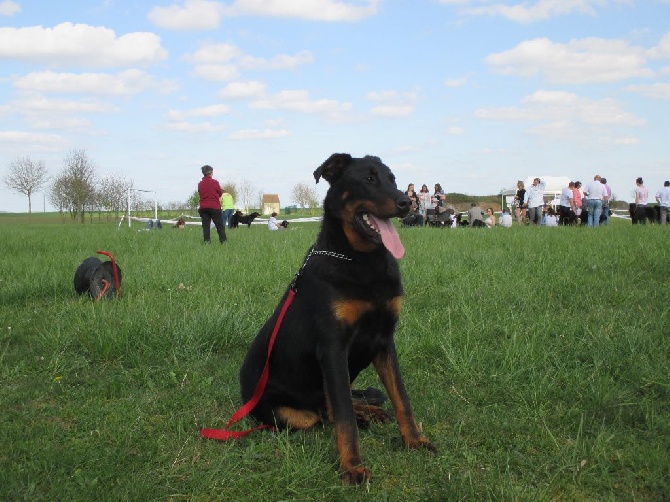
<point>388,369</point>
<point>341,412</point>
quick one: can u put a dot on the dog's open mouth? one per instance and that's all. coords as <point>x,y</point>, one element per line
<point>381,230</point>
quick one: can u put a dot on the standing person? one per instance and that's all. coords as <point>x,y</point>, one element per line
<point>641,196</point>
<point>438,196</point>
<point>606,204</point>
<point>227,206</point>
<point>210,192</point>
<point>577,195</point>
<point>536,201</point>
<point>596,195</point>
<point>566,210</point>
<point>520,201</point>
<point>413,197</point>
<point>424,202</point>
<point>663,199</point>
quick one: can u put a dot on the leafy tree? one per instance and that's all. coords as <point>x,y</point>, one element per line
<point>26,177</point>
<point>193,201</point>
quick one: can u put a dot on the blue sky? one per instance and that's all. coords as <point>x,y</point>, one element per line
<point>473,94</point>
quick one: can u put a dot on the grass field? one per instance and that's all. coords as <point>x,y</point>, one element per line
<point>537,361</point>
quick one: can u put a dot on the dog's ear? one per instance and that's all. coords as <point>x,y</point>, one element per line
<point>333,167</point>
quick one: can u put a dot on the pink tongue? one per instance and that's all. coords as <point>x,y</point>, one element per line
<point>390,237</point>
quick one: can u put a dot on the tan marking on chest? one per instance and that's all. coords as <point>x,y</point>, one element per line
<point>349,311</point>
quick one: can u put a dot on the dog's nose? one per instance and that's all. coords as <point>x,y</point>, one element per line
<point>403,203</point>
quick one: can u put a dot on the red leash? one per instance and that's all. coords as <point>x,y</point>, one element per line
<point>115,273</point>
<point>224,434</point>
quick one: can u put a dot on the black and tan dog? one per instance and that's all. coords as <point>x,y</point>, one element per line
<point>342,318</point>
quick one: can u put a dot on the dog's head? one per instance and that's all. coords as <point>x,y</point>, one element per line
<point>364,196</point>
<point>254,215</point>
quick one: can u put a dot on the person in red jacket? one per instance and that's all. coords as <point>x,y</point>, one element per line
<point>210,205</point>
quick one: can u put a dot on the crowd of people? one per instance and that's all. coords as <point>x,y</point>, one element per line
<point>589,204</point>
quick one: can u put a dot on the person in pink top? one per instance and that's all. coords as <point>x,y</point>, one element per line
<point>577,196</point>
<point>210,192</point>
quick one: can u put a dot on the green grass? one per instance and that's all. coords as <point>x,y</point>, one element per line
<point>536,359</point>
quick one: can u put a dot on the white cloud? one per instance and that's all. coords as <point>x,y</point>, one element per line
<point>455,130</point>
<point>189,127</point>
<point>222,62</point>
<point>565,115</point>
<point>662,50</point>
<point>259,134</point>
<point>125,83</point>
<point>316,10</point>
<point>455,82</point>
<point>81,45</point>
<point>279,62</point>
<point>393,103</point>
<point>207,15</point>
<point>243,90</point>
<point>44,106</point>
<point>38,141</point>
<point>217,72</point>
<point>205,111</point>
<point>9,8</point>
<point>653,91</point>
<point>193,15</point>
<point>300,101</point>
<point>541,10</point>
<point>590,60</point>
<point>392,110</point>
<point>214,53</point>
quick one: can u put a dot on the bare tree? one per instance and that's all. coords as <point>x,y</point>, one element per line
<point>26,177</point>
<point>113,193</point>
<point>81,173</point>
<point>305,196</point>
<point>246,192</point>
<point>231,188</point>
<point>74,189</point>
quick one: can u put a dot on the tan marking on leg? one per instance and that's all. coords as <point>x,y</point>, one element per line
<point>297,419</point>
<point>395,305</point>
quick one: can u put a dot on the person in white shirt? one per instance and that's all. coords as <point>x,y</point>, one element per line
<point>606,204</point>
<point>273,225</point>
<point>663,199</point>
<point>535,195</point>
<point>641,196</point>
<point>505,219</point>
<point>596,194</point>
<point>566,209</point>
<point>550,219</point>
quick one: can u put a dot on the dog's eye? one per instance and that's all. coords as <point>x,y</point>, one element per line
<point>370,179</point>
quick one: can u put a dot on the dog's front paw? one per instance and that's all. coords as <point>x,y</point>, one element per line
<point>356,475</point>
<point>422,442</point>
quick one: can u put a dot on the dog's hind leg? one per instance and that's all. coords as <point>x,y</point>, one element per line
<point>297,419</point>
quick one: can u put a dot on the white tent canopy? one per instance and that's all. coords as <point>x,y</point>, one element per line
<point>552,189</point>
